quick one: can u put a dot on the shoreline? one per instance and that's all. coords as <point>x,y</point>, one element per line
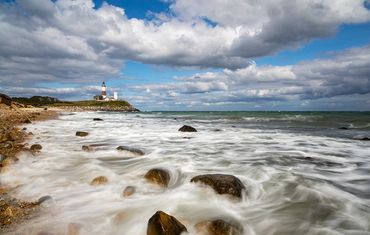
<point>13,140</point>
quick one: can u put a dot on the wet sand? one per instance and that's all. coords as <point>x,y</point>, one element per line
<point>13,140</point>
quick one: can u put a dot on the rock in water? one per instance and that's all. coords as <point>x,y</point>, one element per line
<point>87,148</point>
<point>44,199</point>
<point>97,119</point>
<point>36,148</point>
<point>163,224</point>
<point>81,133</point>
<point>218,227</point>
<point>129,190</point>
<point>158,176</point>
<point>222,184</point>
<point>134,151</point>
<point>186,128</point>
<point>99,180</point>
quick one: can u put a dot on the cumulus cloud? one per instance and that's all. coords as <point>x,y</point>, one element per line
<point>70,40</point>
<point>347,73</point>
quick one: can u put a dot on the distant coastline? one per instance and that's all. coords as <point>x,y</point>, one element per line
<point>83,105</point>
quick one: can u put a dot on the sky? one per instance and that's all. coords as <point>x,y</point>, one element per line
<point>172,55</point>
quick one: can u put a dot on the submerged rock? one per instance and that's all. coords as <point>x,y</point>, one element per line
<point>81,133</point>
<point>98,119</point>
<point>222,183</point>
<point>128,191</point>
<point>186,128</point>
<point>163,224</point>
<point>87,148</point>
<point>74,229</point>
<point>99,181</point>
<point>343,128</point>
<point>36,148</point>
<point>218,227</point>
<point>44,199</point>
<point>158,176</point>
<point>133,151</point>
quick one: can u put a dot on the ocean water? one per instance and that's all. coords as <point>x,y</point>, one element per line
<point>303,175</point>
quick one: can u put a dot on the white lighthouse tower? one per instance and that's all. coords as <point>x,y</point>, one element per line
<point>103,90</point>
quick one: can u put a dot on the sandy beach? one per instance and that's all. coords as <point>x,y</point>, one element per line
<point>13,140</point>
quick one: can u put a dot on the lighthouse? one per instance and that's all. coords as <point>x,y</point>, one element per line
<point>103,90</point>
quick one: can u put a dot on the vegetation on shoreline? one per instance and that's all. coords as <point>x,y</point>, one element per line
<point>42,101</point>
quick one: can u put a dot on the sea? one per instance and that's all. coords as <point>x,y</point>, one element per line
<point>304,172</point>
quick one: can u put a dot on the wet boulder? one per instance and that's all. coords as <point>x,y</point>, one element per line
<point>133,151</point>
<point>98,119</point>
<point>343,128</point>
<point>43,199</point>
<point>128,191</point>
<point>158,176</point>
<point>186,128</point>
<point>218,227</point>
<point>163,224</point>
<point>27,121</point>
<point>87,148</point>
<point>222,183</point>
<point>81,133</point>
<point>36,148</point>
<point>100,180</point>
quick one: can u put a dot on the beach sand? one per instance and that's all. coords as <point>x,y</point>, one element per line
<point>13,140</point>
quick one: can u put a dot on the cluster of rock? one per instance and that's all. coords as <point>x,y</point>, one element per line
<point>164,224</point>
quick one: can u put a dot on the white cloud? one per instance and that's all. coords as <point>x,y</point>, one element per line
<point>345,74</point>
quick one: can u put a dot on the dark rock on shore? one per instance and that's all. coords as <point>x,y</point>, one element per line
<point>222,183</point>
<point>134,151</point>
<point>219,227</point>
<point>163,224</point>
<point>186,128</point>
<point>98,119</point>
<point>27,121</point>
<point>4,99</point>
<point>158,176</point>
<point>81,133</point>
<point>129,190</point>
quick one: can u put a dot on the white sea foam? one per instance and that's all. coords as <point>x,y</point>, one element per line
<point>296,183</point>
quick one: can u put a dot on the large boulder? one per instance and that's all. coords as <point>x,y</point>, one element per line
<point>129,150</point>
<point>186,128</point>
<point>158,176</point>
<point>4,99</point>
<point>163,224</point>
<point>222,183</point>
<point>81,133</point>
<point>218,227</point>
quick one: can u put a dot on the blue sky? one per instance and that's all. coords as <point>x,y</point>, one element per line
<point>190,55</point>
